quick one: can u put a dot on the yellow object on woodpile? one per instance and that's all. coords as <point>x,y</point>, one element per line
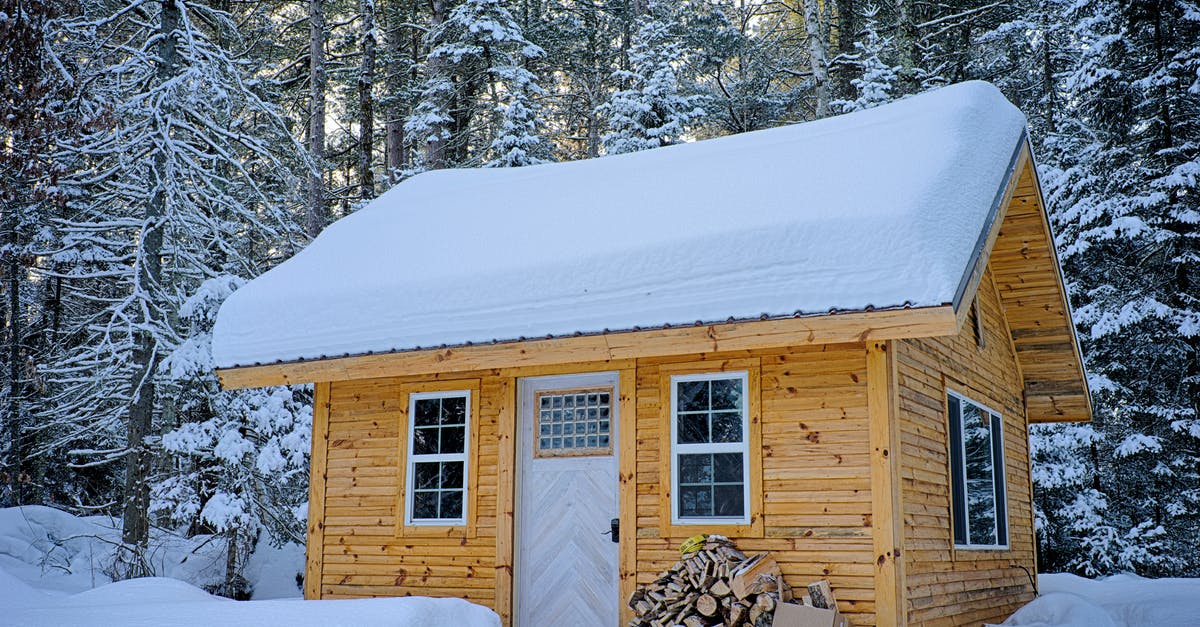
<point>693,544</point>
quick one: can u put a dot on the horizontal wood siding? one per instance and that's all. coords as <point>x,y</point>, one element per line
<point>815,470</point>
<point>363,554</point>
<point>948,586</point>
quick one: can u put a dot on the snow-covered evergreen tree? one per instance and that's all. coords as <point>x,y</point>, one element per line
<point>737,68</point>
<point>518,138</point>
<point>652,110</point>
<point>190,179</point>
<point>878,79</point>
<point>1125,204</point>
<point>239,457</point>
<point>478,46</point>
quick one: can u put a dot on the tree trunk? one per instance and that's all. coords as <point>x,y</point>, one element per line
<point>366,102</point>
<point>231,563</point>
<point>1048,89</point>
<point>394,155</point>
<point>818,56</point>
<point>847,34</point>
<point>12,275</point>
<point>315,214</point>
<point>135,523</point>
<point>906,46</point>
<point>435,144</point>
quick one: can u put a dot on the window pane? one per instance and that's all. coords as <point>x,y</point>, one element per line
<point>958,481</point>
<point>453,439</point>
<point>728,500</point>
<point>425,441</point>
<point>426,412</point>
<point>695,501</point>
<point>981,497</point>
<point>452,505</point>
<point>1001,493</point>
<point>727,426</point>
<point>695,469</point>
<point>452,475</point>
<point>692,395</point>
<point>425,505</point>
<point>727,467</point>
<point>454,410</point>
<point>693,428</point>
<point>727,394</point>
<point>425,475</point>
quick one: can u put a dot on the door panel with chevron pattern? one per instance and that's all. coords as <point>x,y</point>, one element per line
<point>567,569</point>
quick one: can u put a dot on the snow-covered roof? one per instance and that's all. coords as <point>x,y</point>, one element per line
<point>879,209</point>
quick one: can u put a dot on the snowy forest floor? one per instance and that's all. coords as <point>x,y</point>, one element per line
<point>52,572</point>
<point>1117,601</point>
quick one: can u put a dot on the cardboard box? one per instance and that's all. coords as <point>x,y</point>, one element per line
<point>756,575</point>
<point>794,615</point>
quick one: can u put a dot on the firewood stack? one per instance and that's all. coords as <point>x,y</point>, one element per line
<point>716,585</point>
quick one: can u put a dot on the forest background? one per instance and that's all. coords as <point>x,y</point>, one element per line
<point>157,154</point>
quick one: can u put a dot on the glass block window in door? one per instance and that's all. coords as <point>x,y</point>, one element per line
<point>573,422</point>
<point>437,457</point>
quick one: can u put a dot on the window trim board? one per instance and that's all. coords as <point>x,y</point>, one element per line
<point>742,447</point>
<point>412,460</point>
<point>753,368</point>
<point>1000,496</point>
<point>437,529</point>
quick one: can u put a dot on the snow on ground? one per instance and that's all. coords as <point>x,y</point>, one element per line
<point>162,602</point>
<point>1117,601</point>
<point>52,573</point>
<point>55,551</point>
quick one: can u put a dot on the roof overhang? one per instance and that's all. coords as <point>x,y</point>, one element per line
<point>731,336</point>
<point>1017,246</point>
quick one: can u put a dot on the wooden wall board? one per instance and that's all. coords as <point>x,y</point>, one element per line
<point>945,585</point>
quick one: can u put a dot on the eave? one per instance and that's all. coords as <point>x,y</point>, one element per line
<point>732,336</point>
<point>1017,246</point>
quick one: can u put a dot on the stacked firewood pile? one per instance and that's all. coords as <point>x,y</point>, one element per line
<point>715,585</point>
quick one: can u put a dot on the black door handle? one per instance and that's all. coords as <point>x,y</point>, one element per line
<point>614,529</point>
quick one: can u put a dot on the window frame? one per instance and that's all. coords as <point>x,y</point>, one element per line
<point>958,475</point>
<point>412,459</point>
<point>743,447</point>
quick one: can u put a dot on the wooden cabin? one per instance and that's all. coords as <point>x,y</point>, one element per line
<point>825,340</point>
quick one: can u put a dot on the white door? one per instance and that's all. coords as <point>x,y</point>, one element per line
<point>567,568</point>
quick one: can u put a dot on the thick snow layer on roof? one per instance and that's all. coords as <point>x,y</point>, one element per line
<point>880,208</point>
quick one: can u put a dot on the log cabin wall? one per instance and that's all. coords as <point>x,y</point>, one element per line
<point>948,586</point>
<point>814,511</point>
<point>815,471</point>
<point>363,550</point>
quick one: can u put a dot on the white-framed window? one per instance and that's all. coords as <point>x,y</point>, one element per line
<point>710,448</point>
<point>439,436</point>
<point>979,495</point>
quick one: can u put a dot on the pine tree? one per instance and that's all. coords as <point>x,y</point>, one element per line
<point>36,88</point>
<point>878,80</point>
<point>241,456</point>
<point>478,45</point>
<point>518,139</point>
<point>651,111</point>
<point>190,179</point>
<point>1125,206</point>
<point>737,68</point>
